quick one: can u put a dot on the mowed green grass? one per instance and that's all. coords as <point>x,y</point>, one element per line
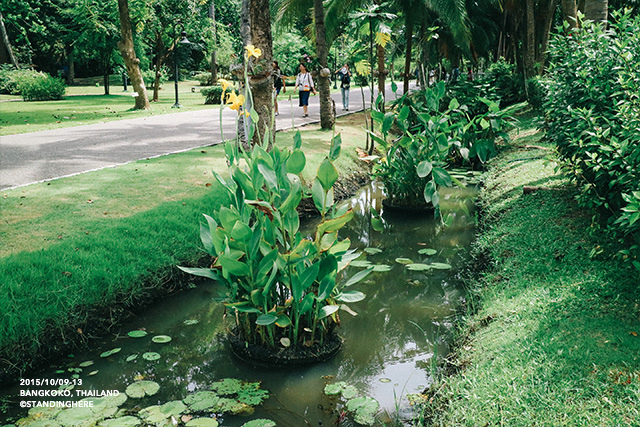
<point>85,244</point>
<point>88,105</point>
<point>556,338</point>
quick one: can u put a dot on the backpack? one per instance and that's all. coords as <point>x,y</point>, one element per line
<point>346,79</point>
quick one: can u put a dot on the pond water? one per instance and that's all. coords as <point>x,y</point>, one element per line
<point>390,348</point>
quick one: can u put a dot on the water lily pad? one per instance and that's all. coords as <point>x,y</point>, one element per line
<point>341,388</point>
<point>404,261</point>
<point>190,322</point>
<point>427,251</point>
<point>360,263</point>
<point>440,266</point>
<point>141,389</point>
<point>364,409</point>
<point>137,334</point>
<point>385,380</point>
<point>259,423</point>
<point>131,357</point>
<point>173,408</point>
<point>372,250</point>
<point>418,267</point>
<point>92,373</point>
<point>151,356</point>
<point>381,268</point>
<point>30,422</point>
<point>161,339</point>
<point>126,421</point>
<point>203,422</point>
<point>152,415</point>
<point>202,401</point>
<point>111,352</point>
<point>86,364</point>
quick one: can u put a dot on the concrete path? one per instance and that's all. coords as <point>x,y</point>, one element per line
<point>41,156</point>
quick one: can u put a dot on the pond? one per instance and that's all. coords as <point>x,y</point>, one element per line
<point>390,348</point>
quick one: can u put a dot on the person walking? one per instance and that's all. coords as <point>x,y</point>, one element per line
<point>345,85</point>
<point>304,81</point>
<point>278,84</point>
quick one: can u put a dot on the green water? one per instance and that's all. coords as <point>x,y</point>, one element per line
<point>402,328</point>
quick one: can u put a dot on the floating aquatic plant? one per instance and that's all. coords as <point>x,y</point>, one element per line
<point>141,389</point>
<point>137,334</point>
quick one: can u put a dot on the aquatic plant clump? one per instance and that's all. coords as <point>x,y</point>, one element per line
<point>282,288</point>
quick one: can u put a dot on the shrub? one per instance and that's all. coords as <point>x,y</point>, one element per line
<point>592,116</point>
<point>212,94</point>
<point>538,91</point>
<point>41,87</point>
<point>203,78</point>
<point>10,77</point>
<point>509,85</point>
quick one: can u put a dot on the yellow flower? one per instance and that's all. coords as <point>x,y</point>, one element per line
<point>235,101</point>
<point>247,114</point>
<point>225,84</point>
<point>253,51</point>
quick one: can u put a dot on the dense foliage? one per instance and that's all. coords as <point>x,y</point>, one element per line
<point>593,115</point>
<point>32,85</point>
<point>282,287</point>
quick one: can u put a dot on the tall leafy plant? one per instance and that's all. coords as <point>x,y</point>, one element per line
<point>282,287</point>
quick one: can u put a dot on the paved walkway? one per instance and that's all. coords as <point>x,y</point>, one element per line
<point>40,156</point>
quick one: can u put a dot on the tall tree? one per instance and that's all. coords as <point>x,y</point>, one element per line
<point>260,78</point>
<point>327,110</point>
<point>125,45</point>
<point>596,10</point>
<point>6,42</point>
<point>214,65</point>
<point>569,12</point>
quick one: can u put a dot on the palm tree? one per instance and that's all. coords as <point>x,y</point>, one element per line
<point>260,79</point>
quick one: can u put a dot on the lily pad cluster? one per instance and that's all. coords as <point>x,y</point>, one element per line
<point>228,396</point>
<point>407,262</point>
<point>362,409</point>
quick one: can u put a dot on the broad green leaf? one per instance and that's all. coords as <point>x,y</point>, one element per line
<point>373,250</point>
<point>151,356</point>
<point>418,267</point>
<point>427,251</point>
<point>237,268</point>
<point>350,296</point>
<point>327,174</point>
<point>297,140</point>
<point>202,422</point>
<point>404,261</point>
<point>266,319</point>
<point>429,191</point>
<point>202,272</point>
<point>424,168</point>
<point>111,352</point>
<point>441,177</point>
<point>358,277</point>
<point>296,162</point>
<point>334,150</point>
<point>327,311</point>
<point>261,422</point>
<point>334,224</point>
<point>269,174</point>
<point>364,408</point>
<point>241,232</point>
<point>389,118</point>
<point>161,339</point>
<point>440,266</point>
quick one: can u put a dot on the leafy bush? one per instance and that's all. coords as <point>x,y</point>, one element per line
<point>537,88</point>
<point>592,117</point>
<point>469,93</point>
<point>41,87</point>
<point>149,77</point>
<point>430,138</point>
<point>509,85</point>
<point>212,94</point>
<point>203,78</point>
<point>10,78</point>
<point>282,286</point>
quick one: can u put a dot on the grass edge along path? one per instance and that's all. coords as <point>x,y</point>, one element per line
<point>554,338</point>
<point>62,291</point>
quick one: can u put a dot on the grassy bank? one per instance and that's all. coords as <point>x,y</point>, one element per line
<point>92,243</point>
<point>554,338</point>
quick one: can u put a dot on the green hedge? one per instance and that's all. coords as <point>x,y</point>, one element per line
<point>592,115</point>
<point>32,85</point>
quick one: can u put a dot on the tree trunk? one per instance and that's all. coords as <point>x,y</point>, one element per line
<point>596,10</point>
<point>261,80</point>
<point>105,80</point>
<point>569,12</point>
<point>71,63</point>
<point>327,118</point>
<point>161,56</point>
<point>407,54</point>
<point>125,45</point>
<point>530,39</point>
<point>381,73</point>
<point>7,44</point>
<point>214,65</point>
<point>545,30</point>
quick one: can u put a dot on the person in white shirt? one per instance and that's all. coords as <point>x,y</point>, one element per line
<point>304,81</point>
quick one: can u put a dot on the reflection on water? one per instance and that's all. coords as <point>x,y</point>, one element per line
<point>388,348</point>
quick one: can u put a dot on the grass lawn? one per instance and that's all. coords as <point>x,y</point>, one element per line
<point>555,338</point>
<point>91,242</point>
<point>89,105</point>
